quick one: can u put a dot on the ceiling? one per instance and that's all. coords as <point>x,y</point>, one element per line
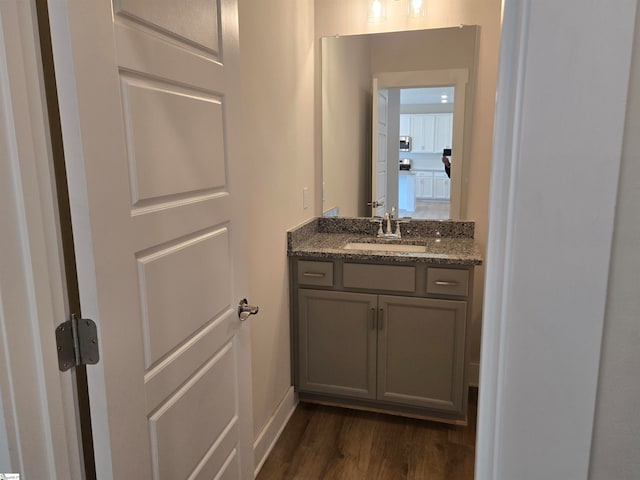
<point>425,96</point>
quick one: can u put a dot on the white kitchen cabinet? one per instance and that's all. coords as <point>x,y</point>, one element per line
<point>407,192</point>
<point>423,133</point>
<point>405,125</point>
<point>429,132</point>
<point>443,131</point>
<point>442,186</point>
<point>424,185</point>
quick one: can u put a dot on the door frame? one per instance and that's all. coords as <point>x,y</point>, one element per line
<point>459,78</point>
<point>39,429</point>
<point>548,255</point>
<point>379,210</point>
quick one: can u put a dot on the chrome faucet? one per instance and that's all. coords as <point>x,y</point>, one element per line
<point>387,219</point>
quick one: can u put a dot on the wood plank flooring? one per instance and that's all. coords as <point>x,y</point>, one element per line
<point>323,442</point>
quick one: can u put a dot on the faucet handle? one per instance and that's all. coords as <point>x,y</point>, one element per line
<point>379,222</point>
<point>398,222</point>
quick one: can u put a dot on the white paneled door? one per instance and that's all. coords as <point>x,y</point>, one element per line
<point>379,149</point>
<point>149,103</point>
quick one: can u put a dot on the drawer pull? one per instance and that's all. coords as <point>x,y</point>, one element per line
<point>445,283</point>
<point>314,274</point>
<point>381,320</point>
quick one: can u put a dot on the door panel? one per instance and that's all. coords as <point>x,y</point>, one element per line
<point>151,122</point>
<point>177,367</point>
<point>187,281</point>
<point>175,141</point>
<point>182,434</point>
<point>194,21</point>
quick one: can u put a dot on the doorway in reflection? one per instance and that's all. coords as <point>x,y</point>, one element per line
<point>426,127</point>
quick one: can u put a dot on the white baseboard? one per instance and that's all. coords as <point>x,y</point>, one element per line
<point>474,374</point>
<point>270,433</point>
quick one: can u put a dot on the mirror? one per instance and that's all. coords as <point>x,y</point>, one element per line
<point>395,64</point>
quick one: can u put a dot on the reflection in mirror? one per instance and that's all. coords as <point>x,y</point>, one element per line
<point>426,124</point>
<point>361,156</point>
<point>424,119</point>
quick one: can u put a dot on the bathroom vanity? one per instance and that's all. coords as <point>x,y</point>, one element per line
<point>382,324</point>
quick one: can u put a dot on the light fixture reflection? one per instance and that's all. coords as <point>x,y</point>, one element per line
<point>416,8</point>
<point>377,10</point>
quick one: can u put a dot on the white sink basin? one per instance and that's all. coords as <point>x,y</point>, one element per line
<point>382,247</point>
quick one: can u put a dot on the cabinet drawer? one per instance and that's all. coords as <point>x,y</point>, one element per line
<point>315,273</point>
<point>448,281</point>
<point>379,277</point>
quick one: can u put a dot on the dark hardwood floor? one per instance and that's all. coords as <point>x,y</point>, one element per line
<point>323,442</point>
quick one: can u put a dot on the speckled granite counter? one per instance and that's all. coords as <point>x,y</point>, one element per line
<point>446,242</point>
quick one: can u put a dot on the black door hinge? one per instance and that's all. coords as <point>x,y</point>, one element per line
<point>77,341</point>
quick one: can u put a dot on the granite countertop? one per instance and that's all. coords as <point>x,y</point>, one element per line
<point>447,243</point>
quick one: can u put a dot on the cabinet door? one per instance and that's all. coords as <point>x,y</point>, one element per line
<point>428,186</point>
<point>422,133</point>
<point>421,352</point>
<point>442,186</point>
<point>405,125</point>
<point>337,343</point>
<point>425,185</point>
<point>444,131</point>
<point>419,185</point>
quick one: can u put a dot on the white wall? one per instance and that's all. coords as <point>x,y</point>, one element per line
<point>554,184</point>
<point>277,65</point>
<point>616,436</point>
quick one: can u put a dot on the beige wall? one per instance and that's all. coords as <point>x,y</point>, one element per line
<point>346,123</point>
<point>348,18</point>
<point>277,68</point>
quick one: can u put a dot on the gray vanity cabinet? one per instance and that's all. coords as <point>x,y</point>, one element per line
<point>387,337</point>
<point>337,343</point>
<point>421,344</point>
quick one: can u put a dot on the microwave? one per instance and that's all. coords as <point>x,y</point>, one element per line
<point>405,144</point>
